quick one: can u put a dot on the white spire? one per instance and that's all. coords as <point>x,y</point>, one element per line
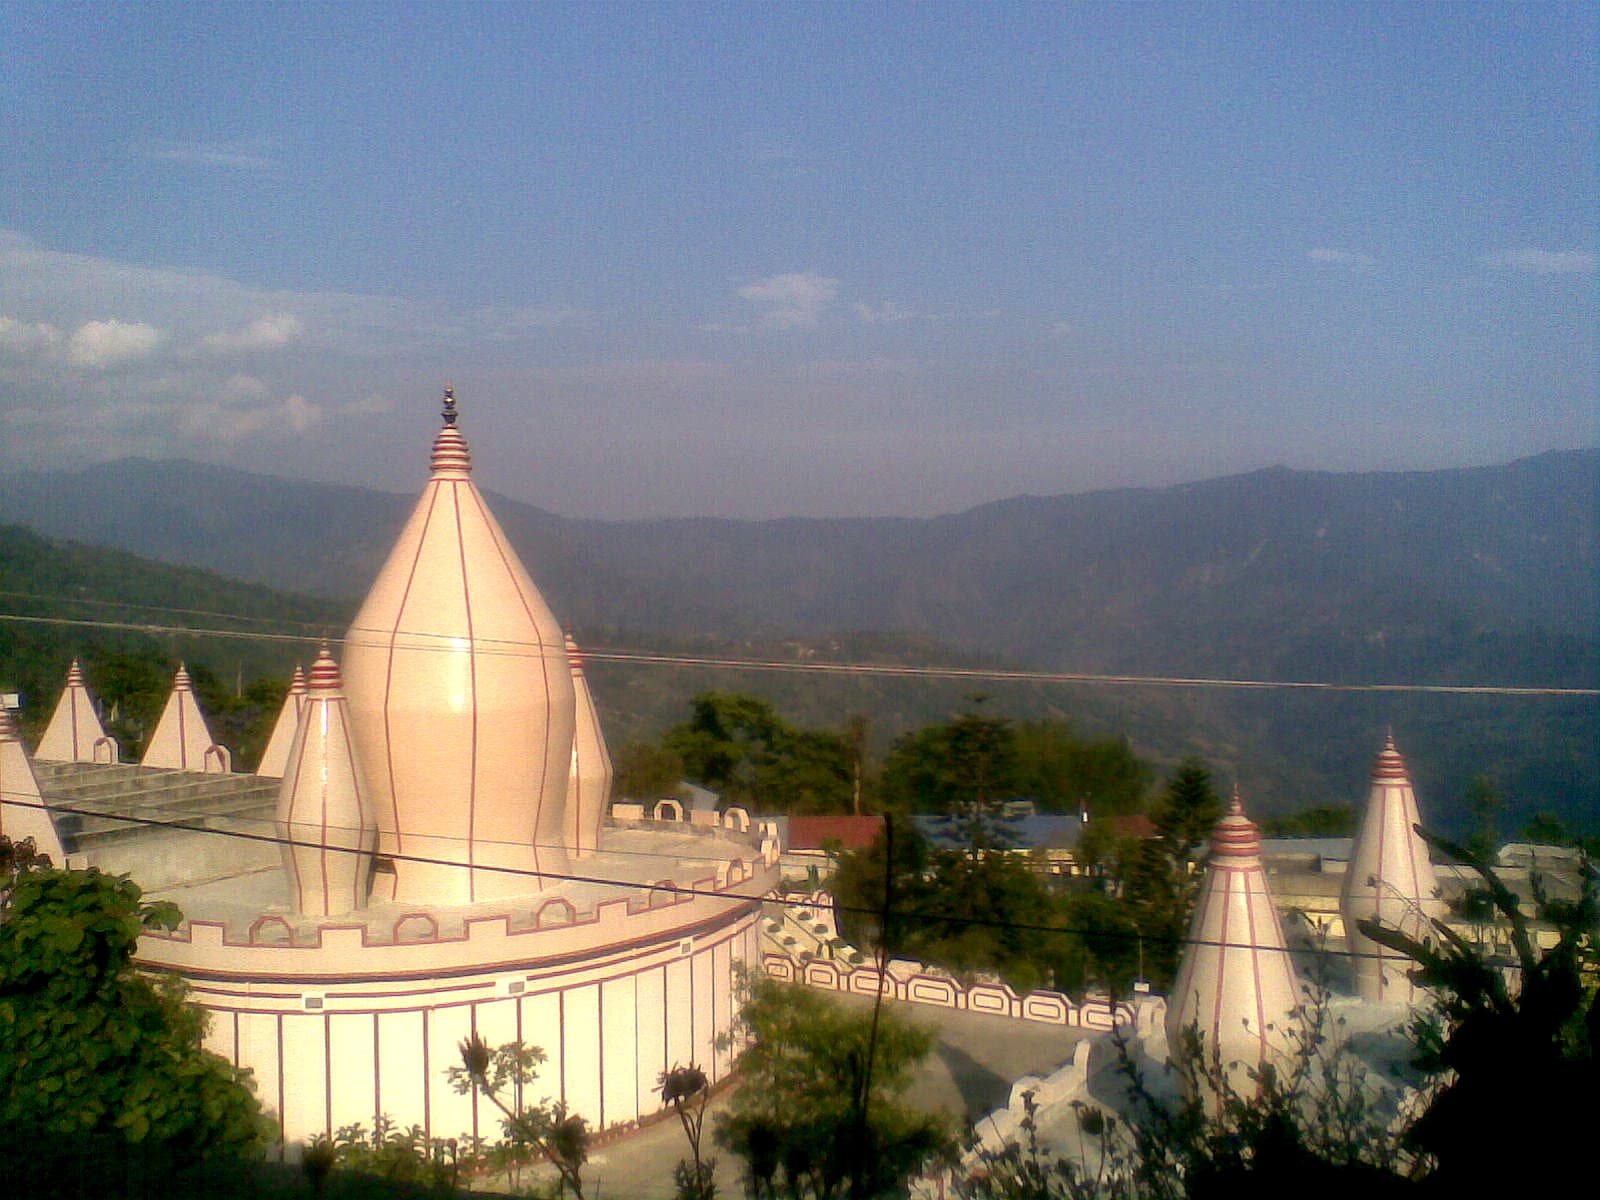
<point>1235,982</point>
<point>324,815</point>
<point>182,742</point>
<point>461,699</point>
<point>589,787</point>
<point>1390,879</point>
<point>276,754</point>
<point>22,810</point>
<point>74,730</point>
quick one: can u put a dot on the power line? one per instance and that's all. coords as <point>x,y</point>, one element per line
<point>443,643</point>
<point>21,801</point>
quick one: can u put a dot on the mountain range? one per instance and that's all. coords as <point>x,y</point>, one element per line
<point>1480,576</point>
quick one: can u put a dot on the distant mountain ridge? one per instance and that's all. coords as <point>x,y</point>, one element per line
<point>1182,577</point>
<point>1486,575</point>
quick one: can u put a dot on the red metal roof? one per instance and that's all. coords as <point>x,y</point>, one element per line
<point>853,833</point>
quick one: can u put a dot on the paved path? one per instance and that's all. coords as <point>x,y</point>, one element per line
<point>968,1075</point>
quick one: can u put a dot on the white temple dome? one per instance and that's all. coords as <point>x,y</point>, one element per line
<point>461,700</point>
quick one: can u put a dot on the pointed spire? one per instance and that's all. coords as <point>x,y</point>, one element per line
<point>74,729</point>
<point>459,689</point>
<point>1235,984</point>
<point>276,755</point>
<point>324,813</point>
<point>181,741</point>
<point>1390,879</point>
<point>589,786</point>
<point>23,813</point>
<point>452,458</point>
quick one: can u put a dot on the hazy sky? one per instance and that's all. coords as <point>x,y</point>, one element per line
<point>770,259</point>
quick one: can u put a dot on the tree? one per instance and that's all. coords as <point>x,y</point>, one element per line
<point>1485,802</point>
<point>503,1074</point>
<point>92,1050</point>
<point>647,771</point>
<point>739,746</point>
<point>689,1092</point>
<point>1514,1062</point>
<point>962,768</point>
<point>818,1115</point>
<point>1064,773</point>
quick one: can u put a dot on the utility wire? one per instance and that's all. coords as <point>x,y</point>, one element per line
<point>442,643</point>
<point>20,801</point>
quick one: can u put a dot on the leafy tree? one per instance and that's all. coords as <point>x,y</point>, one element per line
<point>92,1049</point>
<point>1063,773</point>
<point>818,1115</point>
<point>739,746</point>
<point>1514,1063</point>
<point>548,1128</point>
<point>688,1091</point>
<point>960,768</point>
<point>1186,810</point>
<point>646,771</point>
<point>1323,820</point>
<point>1485,802</point>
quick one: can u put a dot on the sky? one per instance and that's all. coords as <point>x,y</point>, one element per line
<point>759,260</point>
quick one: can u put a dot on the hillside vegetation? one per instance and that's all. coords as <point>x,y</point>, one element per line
<point>1480,576</point>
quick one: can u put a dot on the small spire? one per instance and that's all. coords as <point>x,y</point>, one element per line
<point>325,672</point>
<point>181,681</point>
<point>8,727</point>
<point>1235,835</point>
<point>297,681</point>
<point>1389,765</point>
<point>451,455</point>
<point>75,674</point>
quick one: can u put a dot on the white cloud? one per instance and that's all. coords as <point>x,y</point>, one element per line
<point>793,301</point>
<point>99,344</point>
<point>1543,262</point>
<point>21,338</point>
<point>1354,259</point>
<point>264,333</point>
<point>248,154</point>
<point>887,313</point>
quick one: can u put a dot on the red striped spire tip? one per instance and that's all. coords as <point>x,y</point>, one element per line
<point>1390,765</point>
<point>8,727</point>
<point>297,681</point>
<point>451,454</point>
<point>325,672</point>
<point>1235,835</point>
<point>181,681</point>
<point>75,674</point>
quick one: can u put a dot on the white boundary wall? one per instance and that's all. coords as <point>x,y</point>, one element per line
<point>912,982</point>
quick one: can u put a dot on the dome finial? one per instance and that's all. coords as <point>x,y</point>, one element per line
<point>449,413</point>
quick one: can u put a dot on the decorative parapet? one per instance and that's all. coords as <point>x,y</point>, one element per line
<point>443,939</point>
<point>914,983</point>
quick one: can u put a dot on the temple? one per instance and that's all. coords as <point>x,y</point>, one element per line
<point>396,876</point>
<point>1390,879</point>
<point>1236,986</point>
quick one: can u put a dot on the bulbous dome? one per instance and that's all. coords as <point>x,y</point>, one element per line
<point>461,700</point>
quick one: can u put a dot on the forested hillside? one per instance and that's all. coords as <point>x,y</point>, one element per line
<point>1481,576</point>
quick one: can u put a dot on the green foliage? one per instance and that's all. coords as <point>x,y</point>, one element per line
<point>688,1091</point>
<point>954,768</point>
<point>390,1152</point>
<point>739,746</point>
<point>1322,820</point>
<point>818,1114</point>
<point>1514,1062</point>
<point>88,1046</point>
<point>504,1074</point>
<point>1314,1123</point>
<point>1063,772</point>
<point>1485,802</point>
<point>646,771</point>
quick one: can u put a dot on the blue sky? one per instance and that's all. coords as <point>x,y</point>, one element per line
<point>761,260</point>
